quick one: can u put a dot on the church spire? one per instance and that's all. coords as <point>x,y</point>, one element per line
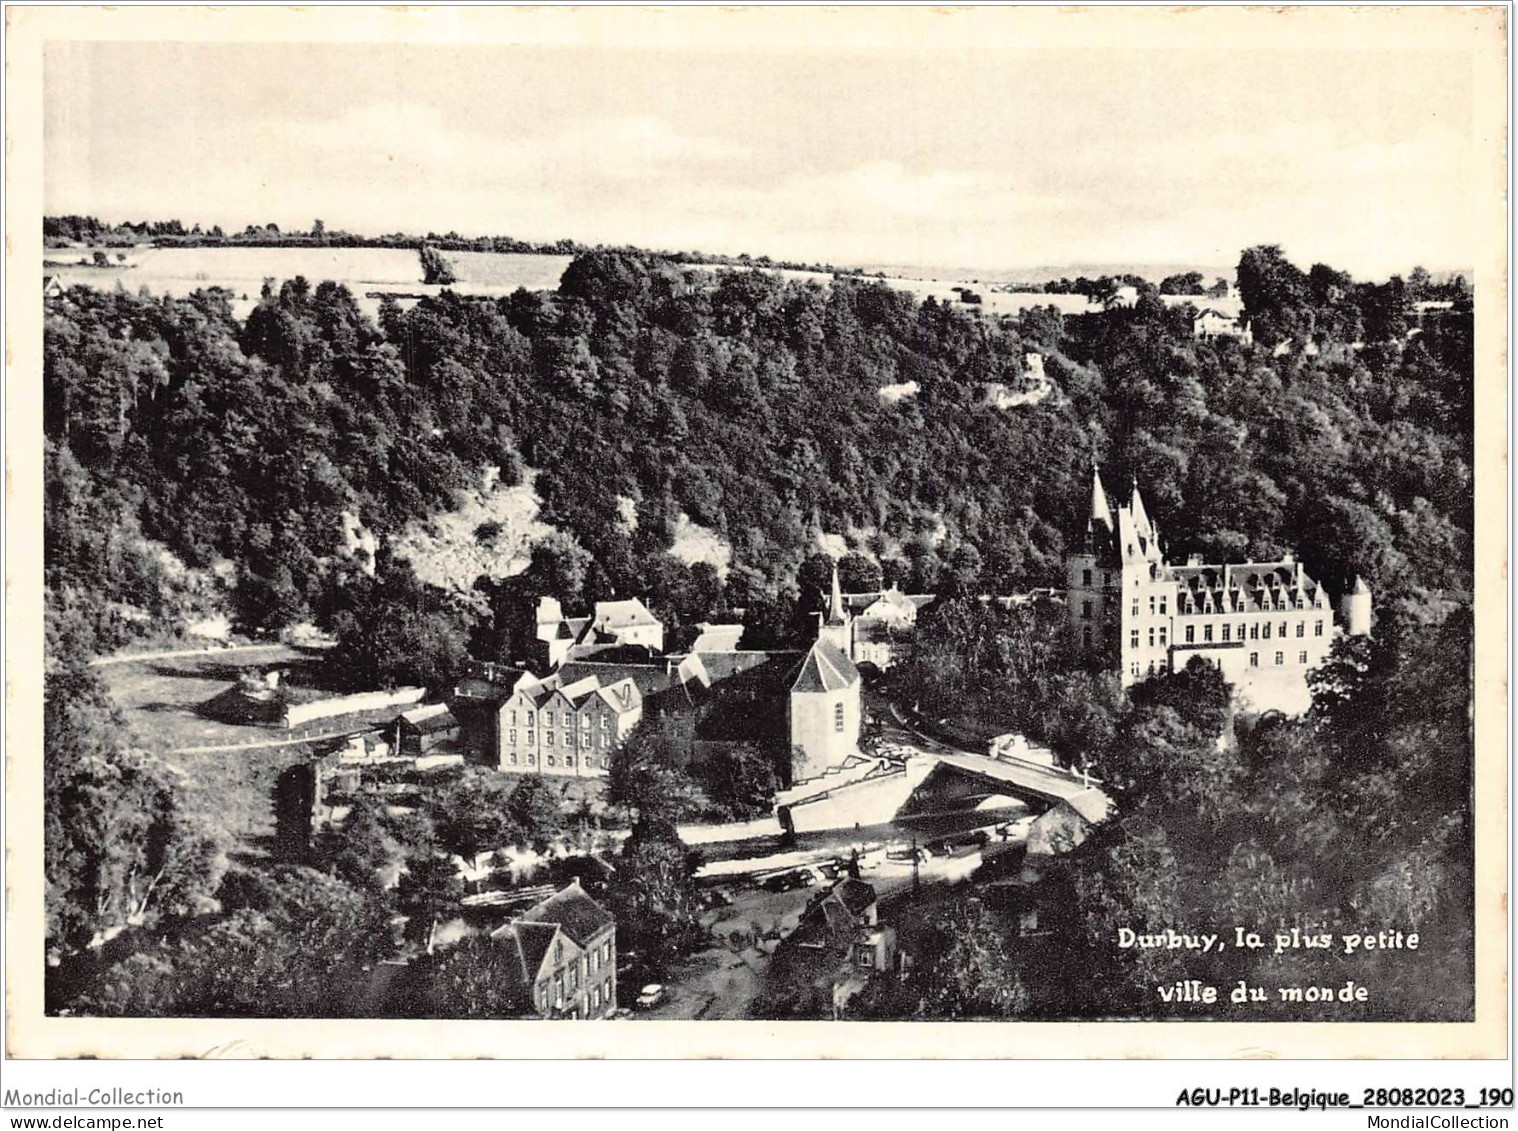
<point>836,613</point>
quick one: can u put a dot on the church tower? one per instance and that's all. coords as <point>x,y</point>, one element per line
<point>837,625</point>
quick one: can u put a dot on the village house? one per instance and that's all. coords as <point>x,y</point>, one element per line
<point>425,730</point>
<point>612,625</point>
<point>562,953</point>
<point>1211,324</point>
<point>838,943</point>
<point>882,624</point>
<point>1144,615</point>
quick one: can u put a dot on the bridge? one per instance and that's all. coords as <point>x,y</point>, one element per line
<point>960,781</point>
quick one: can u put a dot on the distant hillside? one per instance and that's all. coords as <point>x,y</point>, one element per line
<point>752,405</point>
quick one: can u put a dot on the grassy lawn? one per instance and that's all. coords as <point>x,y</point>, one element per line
<point>233,788</point>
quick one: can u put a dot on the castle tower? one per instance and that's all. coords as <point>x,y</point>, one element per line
<point>1092,574</point>
<point>1355,609</point>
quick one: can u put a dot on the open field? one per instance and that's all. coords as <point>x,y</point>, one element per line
<point>179,270</point>
<point>232,788</point>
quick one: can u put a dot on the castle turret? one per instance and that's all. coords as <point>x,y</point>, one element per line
<point>1355,609</point>
<point>1101,512</point>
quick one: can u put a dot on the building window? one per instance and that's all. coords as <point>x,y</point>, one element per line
<point>512,757</point>
<point>584,742</point>
<point>569,759</point>
<point>569,738</point>
<point>595,997</point>
<point>1162,637</point>
<point>1301,629</point>
<point>606,763</point>
<point>1151,606</point>
<point>1086,638</point>
<point>1133,668</point>
<point>532,759</point>
<point>1317,629</point>
<point>532,738</point>
<point>1135,606</point>
<point>1151,667</point>
<point>866,959</point>
<point>1254,659</point>
<point>513,738</point>
<point>1133,638</point>
<point>1085,610</point>
<point>513,718</point>
<point>1207,633</point>
<point>529,718</point>
<point>838,717</point>
<point>558,991</point>
<point>1280,658</point>
<point>1151,638</point>
<point>552,761</point>
<point>1283,630</point>
<point>1162,606</point>
<point>1301,657</point>
<point>1190,634</point>
<point>1241,630</point>
<point>548,737</point>
<point>1226,627</point>
<point>605,722</point>
<point>1086,578</point>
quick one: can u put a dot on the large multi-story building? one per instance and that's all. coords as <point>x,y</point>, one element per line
<point>523,724</point>
<point>1264,624</point>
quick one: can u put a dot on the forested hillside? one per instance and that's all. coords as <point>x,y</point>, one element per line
<point>752,405</point>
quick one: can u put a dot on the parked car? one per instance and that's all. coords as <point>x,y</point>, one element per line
<point>651,996</point>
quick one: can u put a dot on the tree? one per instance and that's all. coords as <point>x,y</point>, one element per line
<point>429,889</point>
<point>647,777</point>
<point>436,269</point>
<point>476,814</point>
<point>1188,283</point>
<point>293,943</point>
<point>655,900</point>
<point>537,813</point>
<point>472,979</point>
<point>120,847</point>
<point>397,631</point>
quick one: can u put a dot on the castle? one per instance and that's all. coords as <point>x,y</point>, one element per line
<point>1263,624</point>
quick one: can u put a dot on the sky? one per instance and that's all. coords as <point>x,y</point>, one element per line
<point>1002,158</point>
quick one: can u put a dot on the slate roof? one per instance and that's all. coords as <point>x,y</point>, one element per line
<point>856,895</point>
<point>580,917</point>
<point>430,719</point>
<point>532,940</point>
<point>824,668</point>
